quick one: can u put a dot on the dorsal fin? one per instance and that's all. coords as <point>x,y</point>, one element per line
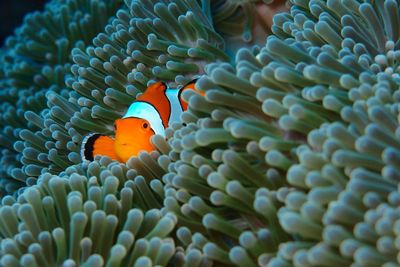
<point>155,88</point>
<point>155,95</point>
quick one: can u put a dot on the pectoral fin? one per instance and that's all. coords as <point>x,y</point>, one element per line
<point>97,144</point>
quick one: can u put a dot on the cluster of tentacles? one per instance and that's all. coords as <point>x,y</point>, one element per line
<point>291,158</point>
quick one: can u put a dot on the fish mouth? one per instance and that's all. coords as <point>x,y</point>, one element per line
<point>129,146</point>
<point>126,144</point>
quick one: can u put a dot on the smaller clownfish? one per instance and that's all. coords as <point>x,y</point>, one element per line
<point>150,114</point>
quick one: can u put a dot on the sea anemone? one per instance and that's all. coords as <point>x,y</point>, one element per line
<point>135,49</point>
<point>101,213</point>
<point>291,158</point>
<point>36,60</point>
<point>312,157</point>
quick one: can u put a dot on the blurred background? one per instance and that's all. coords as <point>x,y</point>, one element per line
<point>12,13</point>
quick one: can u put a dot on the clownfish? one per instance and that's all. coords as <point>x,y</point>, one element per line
<point>151,113</point>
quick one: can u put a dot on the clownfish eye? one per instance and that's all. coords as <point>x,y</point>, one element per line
<point>145,125</point>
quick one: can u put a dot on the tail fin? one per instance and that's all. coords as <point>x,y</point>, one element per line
<point>191,85</point>
<point>97,144</point>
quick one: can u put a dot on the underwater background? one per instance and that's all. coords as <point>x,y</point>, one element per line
<point>292,157</point>
<point>12,14</point>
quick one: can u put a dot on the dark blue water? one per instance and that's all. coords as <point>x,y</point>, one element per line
<point>12,13</point>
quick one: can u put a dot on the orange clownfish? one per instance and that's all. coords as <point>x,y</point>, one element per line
<point>151,113</point>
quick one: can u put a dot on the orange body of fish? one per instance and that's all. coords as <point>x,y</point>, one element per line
<point>151,113</point>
